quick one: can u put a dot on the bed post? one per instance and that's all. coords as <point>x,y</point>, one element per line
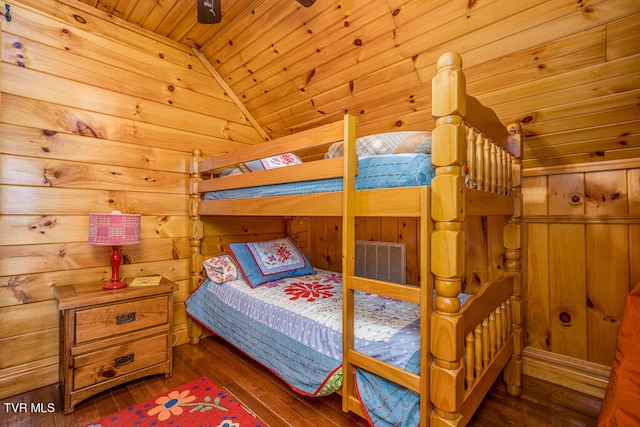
<point>447,240</point>
<point>513,252</point>
<point>195,263</point>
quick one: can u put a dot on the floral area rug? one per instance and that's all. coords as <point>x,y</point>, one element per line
<point>197,404</point>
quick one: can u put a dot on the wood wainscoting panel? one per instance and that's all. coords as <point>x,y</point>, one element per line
<point>538,286</point>
<point>582,258</point>
<point>566,194</point>
<point>606,193</point>
<point>567,293</point>
<point>606,245</point>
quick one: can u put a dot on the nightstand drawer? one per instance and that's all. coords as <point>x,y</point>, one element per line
<point>105,321</point>
<point>112,362</point>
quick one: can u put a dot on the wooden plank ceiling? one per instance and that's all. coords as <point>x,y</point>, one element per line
<point>567,70</point>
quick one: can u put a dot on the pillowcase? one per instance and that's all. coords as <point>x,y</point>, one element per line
<point>231,171</point>
<point>221,269</point>
<point>262,262</point>
<point>386,143</point>
<point>419,142</point>
<point>286,159</point>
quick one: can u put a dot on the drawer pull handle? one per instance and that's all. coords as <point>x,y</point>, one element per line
<point>125,318</point>
<point>123,360</point>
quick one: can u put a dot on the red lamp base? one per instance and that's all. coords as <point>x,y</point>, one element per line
<point>115,282</point>
<point>114,285</point>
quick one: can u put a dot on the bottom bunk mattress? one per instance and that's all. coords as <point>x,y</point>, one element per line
<point>293,327</point>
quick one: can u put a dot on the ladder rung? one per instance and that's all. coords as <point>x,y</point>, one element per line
<point>385,370</point>
<point>354,405</point>
<point>391,290</point>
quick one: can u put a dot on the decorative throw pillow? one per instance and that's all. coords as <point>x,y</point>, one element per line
<point>282,160</point>
<point>386,143</point>
<point>221,269</point>
<point>262,262</point>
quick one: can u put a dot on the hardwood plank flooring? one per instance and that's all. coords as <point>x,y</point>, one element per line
<point>542,404</point>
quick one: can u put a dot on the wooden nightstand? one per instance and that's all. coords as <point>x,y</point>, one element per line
<point>110,337</point>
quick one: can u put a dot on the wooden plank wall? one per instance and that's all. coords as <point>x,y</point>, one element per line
<point>220,231</point>
<point>321,240</point>
<point>582,258</point>
<point>566,69</point>
<point>94,117</point>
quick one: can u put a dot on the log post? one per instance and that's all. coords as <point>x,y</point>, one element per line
<point>197,233</point>
<point>447,240</point>
<point>513,249</point>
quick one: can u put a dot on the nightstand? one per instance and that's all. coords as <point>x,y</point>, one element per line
<point>108,338</point>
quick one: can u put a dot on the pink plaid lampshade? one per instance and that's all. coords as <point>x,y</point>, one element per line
<point>114,229</point>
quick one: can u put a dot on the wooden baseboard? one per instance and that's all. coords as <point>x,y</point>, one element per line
<point>586,377</point>
<point>29,376</point>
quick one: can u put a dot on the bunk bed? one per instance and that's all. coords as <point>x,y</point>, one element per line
<point>463,346</point>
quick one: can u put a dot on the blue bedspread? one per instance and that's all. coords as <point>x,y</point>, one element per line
<point>294,328</point>
<point>383,171</point>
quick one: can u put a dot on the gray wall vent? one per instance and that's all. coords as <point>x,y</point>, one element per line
<point>381,261</point>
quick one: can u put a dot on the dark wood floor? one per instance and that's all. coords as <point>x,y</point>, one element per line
<point>542,404</point>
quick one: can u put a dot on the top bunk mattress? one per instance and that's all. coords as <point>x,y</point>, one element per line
<point>374,172</point>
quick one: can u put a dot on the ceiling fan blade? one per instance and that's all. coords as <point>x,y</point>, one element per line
<point>306,3</point>
<point>209,11</point>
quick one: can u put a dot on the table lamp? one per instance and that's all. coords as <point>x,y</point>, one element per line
<point>115,229</point>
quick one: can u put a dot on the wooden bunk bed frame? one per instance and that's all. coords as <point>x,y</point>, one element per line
<point>478,172</point>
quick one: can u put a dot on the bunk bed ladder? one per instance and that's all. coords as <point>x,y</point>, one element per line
<point>421,295</point>
<point>349,398</point>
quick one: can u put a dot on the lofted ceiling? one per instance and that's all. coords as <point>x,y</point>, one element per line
<point>566,70</point>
